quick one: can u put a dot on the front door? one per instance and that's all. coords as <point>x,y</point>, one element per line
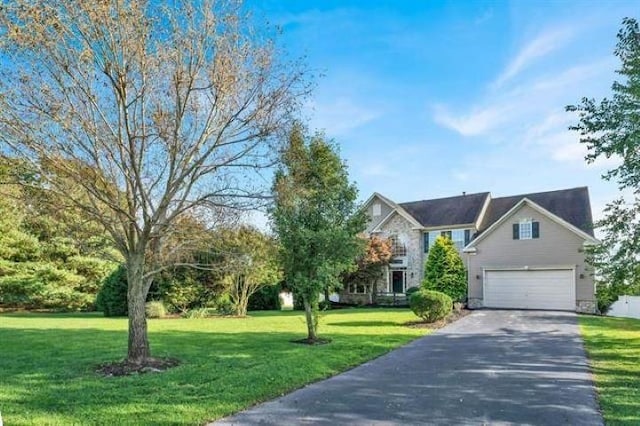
<point>397,281</point>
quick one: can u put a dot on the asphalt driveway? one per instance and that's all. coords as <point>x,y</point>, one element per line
<point>491,367</point>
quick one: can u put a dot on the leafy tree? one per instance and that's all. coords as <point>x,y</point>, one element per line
<point>112,298</point>
<point>250,263</point>
<point>139,113</point>
<point>44,264</point>
<point>610,128</point>
<point>316,219</point>
<point>370,264</point>
<point>444,270</point>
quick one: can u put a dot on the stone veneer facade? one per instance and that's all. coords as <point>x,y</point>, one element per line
<point>412,238</point>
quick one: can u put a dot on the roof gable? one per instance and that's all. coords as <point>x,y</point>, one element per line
<point>395,209</point>
<point>571,205</point>
<point>511,212</point>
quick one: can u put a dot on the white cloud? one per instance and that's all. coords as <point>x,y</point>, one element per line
<point>479,121</point>
<point>341,115</point>
<point>529,104</point>
<point>544,44</point>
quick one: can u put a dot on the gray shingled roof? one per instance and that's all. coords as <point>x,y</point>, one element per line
<point>571,205</point>
<point>459,210</point>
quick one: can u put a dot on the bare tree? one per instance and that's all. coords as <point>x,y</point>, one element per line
<point>142,112</point>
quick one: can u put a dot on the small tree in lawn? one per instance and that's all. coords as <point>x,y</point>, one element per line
<point>444,270</point>
<point>316,219</point>
<point>250,263</point>
<point>611,128</point>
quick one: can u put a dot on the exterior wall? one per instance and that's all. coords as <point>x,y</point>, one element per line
<point>374,221</point>
<point>557,246</point>
<point>412,238</point>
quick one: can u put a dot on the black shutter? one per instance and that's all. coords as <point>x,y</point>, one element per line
<point>516,231</point>
<point>535,229</point>
<point>467,236</point>
<point>426,242</point>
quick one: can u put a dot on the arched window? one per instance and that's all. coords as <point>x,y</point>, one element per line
<point>398,248</point>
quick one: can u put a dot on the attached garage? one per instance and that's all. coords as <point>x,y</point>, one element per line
<point>552,289</point>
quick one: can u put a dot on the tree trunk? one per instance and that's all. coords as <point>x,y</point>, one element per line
<point>138,351</point>
<point>312,323</point>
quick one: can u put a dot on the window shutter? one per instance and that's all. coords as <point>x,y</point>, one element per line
<point>426,242</point>
<point>535,229</point>
<point>467,236</point>
<point>516,231</point>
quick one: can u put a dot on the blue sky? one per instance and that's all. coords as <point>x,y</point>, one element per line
<point>427,99</point>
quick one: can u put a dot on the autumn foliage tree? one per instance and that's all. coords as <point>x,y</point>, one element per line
<point>370,265</point>
<point>140,112</point>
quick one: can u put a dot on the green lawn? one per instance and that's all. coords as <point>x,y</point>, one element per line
<point>47,363</point>
<point>613,345</point>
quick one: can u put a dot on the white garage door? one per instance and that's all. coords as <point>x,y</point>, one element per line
<point>530,289</point>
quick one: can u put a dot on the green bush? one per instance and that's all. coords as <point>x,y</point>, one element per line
<point>265,299</point>
<point>180,293</point>
<point>199,313</point>
<point>112,297</point>
<point>224,305</point>
<point>411,290</point>
<point>42,285</point>
<point>155,309</point>
<point>18,246</point>
<point>94,271</point>
<point>430,305</point>
<point>444,270</point>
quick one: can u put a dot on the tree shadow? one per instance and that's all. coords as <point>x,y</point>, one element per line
<point>364,324</point>
<point>48,374</point>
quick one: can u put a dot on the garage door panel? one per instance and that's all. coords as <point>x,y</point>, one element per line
<point>530,289</point>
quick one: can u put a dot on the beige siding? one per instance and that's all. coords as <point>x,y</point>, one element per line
<point>375,220</point>
<point>557,246</point>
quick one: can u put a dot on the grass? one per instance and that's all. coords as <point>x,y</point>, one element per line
<point>48,361</point>
<point>613,345</point>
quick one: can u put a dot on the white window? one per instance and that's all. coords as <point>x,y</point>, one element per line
<point>457,236</point>
<point>398,248</point>
<point>377,210</point>
<point>525,231</point>
<point>358,289</point>
<point>432,237</point>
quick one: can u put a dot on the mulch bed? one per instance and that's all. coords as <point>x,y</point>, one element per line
<point>125,368</point>
<point>454,316</point>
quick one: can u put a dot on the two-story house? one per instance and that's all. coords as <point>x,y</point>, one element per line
<point>524,251</point>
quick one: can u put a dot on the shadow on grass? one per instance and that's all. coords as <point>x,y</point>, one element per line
<point>30,314</point>
<point>48,375</point>
<point>364,324</point>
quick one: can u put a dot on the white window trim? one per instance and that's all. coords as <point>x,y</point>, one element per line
<point>523,223</point>
<point>377,209</point>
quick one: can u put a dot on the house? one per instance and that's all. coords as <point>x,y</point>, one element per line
<point>524,251</point>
